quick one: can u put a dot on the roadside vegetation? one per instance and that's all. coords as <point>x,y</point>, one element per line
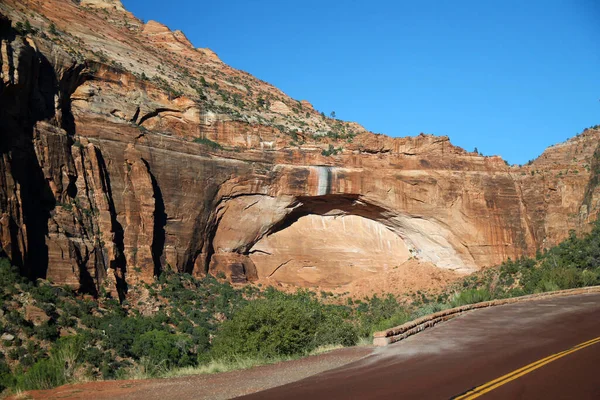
<point>183,325</point>
<point>573,263</point>
<point>178,325</point>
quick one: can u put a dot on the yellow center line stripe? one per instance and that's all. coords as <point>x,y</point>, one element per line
<point>481,390</point>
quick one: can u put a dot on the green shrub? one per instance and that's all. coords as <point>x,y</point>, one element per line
<point>471,296</point>
<point>122,330</point>
<point>267,328</point>
<point>547,279</point>
<point>45,374</point>
<point>47,331</point>
<point>379,314</point>
<point>429,308</point>
<point>590,277</point>
<point>56,370</point>
<point>24,28</point>
<point>161,347</point>
<point>9,277</point>
<point>207,142</point>
<point>331,150</point>
<point>16,353</point>
<point>201,339</point>
<point>92,355</point>
<point>45,293</point>
<point>335,331</point>
<point>281,325</point>
<point>6,378</point>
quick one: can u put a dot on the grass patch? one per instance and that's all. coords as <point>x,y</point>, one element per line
<point>325,349</point>
<point>225,365</point>
<point>60,368</point>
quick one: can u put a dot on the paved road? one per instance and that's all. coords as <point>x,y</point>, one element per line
<point>472,350</point>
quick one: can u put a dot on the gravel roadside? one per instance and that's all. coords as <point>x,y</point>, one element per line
<point>225,385</point>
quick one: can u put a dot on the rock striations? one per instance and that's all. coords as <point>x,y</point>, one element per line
<point>125,151</point>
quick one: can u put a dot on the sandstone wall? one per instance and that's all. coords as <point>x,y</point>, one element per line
<point>101,181</point>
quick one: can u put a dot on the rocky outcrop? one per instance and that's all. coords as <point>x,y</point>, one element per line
<point>105,4</point>
<point>162,36</point>
<point>110,175</point>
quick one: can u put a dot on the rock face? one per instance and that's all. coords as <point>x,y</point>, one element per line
<point>354,247</point>
<point>125,151</point>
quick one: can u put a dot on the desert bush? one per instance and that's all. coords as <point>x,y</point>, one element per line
<point>335,331</point>
<point>331,150</point>
<point>207,142</point>
<point>378,314</point>
<point>281,325</point>
<point>6,377</point>
<point>429,308</point>
<point>267,328</point>
<point>200,338</point>
<point>47,331</point>
<point>471,296</point>
<point>160,347</point>
<point>54,371</point>
<point>121,331</point>
<point>590,277</point>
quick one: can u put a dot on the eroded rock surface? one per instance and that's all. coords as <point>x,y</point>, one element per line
<point>125,151</point>
<point>353,246</point>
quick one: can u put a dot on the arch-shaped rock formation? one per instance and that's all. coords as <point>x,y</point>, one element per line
<point>326,240</point>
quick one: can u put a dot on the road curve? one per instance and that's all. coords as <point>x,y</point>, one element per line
<point>468,352</point>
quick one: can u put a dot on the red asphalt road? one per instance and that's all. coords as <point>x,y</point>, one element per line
<point>471,350</point>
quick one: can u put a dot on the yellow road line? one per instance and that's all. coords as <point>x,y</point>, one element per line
<point>483,389</point>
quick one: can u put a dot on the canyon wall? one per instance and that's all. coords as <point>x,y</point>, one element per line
<point>110,178</point>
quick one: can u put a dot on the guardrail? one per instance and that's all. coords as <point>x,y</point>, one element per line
<point>410,328</point>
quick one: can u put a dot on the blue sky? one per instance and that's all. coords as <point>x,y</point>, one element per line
<point>508,77</point>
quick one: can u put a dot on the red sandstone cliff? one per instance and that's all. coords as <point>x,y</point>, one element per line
<point>108,172</point>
